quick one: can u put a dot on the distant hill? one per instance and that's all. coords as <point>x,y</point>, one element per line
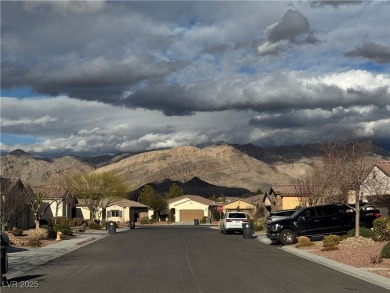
<point>36,171</point>
<point>220,165</point>
<point>221,168</point>
<point>194,186</point>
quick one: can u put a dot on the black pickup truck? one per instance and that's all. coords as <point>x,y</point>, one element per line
<point>319,220</point>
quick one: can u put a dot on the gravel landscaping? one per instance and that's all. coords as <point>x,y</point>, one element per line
<point>357,252</point>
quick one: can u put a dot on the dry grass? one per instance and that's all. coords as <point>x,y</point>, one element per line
<point>357,252</point>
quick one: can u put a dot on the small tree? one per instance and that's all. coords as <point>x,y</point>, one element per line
<point>346,163</point>
<point>13,199</point>
<point>154,201</point>
<point>36,205</point>
<point>97,190</point>
<point>174,191</point>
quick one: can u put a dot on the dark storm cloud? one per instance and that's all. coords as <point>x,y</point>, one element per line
<point>293,29</point>
<point>292,26</point>
<point>372,51</point>
<point>97,79</point>
<point>317,118</point>
<point>280,93</point>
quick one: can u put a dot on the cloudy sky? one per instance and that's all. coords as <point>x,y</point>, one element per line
<point>97,77</point>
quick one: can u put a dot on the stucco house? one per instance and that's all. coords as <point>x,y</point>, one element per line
<point>121,210</point>
<point>57,202</point>
<point>282,197</point>
<point>242,204</point>
<point>186,208</point>
<point>125,210</point>
<point>375,187</point>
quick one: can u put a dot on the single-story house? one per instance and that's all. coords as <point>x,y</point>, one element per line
<point>121,210</point>
<point>241,204</point>
<point>57,202</point>
<point>282,197</point>
<point>187,208</point>
<point>375,188</point>
<point>125,210</point>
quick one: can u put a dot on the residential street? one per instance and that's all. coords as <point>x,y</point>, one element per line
<point>183,259</point>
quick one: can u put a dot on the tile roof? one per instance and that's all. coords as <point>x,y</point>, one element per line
<point>196,198</point>
<point>121,202</point>
<point>50,192</point>
<point>384,166</point>
<point>286,190</point>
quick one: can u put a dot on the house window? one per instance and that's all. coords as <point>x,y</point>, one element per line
<point>114,213</point>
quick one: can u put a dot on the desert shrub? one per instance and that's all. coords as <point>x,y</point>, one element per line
<point>331,248</point>
<point>386,250</point>
<point>303,241</point>
<point>376,259</point>
<point>37,233</point>
<point>364,232</point>
<point>94,226</point>
<point>144,220</point>
<point>331,241</point>
<point>259,224</point>
<point>381,229</point>
<point>33,242</point>
<point>78,221</point>
<point>204,220</point>
<point>16,232</point>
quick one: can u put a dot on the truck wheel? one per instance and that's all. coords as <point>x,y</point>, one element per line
<point>288,237</point>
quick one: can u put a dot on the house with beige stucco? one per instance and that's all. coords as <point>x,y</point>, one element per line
<point>121,210</point>
<point>187,208</point>
<point>375,188</point>
<point>56,202</point>
<point>282,197</point>
<point>240,204</point>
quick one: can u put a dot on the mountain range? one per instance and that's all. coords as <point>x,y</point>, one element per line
<point>232,170</point>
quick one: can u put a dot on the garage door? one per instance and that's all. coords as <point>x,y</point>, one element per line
<point>190,215</point>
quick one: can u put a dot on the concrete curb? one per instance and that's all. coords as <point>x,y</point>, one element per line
<point>359,273</point>
<point>22,261</point>
<point>346,269</point>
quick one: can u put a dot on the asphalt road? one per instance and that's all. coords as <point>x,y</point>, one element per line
<point>184,259</point>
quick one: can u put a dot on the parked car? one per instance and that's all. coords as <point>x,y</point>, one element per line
<point>278,215</point>
<point>318,220</point>
<point>233,222</point>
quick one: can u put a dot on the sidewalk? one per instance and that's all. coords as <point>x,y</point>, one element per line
<point>359,273</point>
<point>22,259</point>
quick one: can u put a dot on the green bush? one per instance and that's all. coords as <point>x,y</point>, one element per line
<point>331,241</point>
<point>381,229</point>
<point>364,232</point>
<point>67,232</point>
<point>259,224</point>
<point>386,250</point>
<point>60,227</point>
<point>204,220</point>
<point>16,232</point>
<point>94,226</point>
